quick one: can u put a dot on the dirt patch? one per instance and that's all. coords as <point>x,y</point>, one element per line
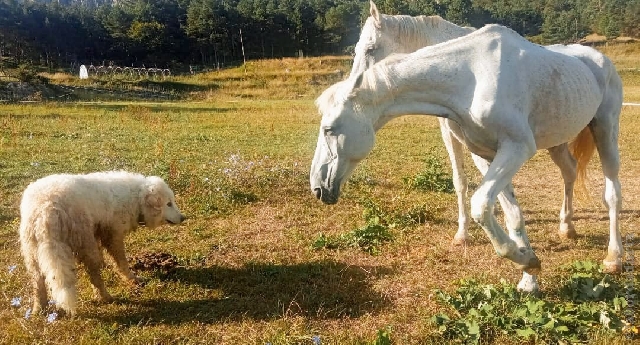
<point>153,261</point>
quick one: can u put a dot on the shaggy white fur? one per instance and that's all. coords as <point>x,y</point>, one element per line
<point>65,218</point>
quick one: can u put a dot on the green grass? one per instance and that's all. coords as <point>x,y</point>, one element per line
<point>238,155</point>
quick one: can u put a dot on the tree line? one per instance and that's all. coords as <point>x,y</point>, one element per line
<point>170,33</point>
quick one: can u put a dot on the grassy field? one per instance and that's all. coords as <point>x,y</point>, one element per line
<point>261,261</point>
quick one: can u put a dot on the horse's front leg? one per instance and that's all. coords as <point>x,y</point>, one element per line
<point>564,160</point>
<point>508,160</point>
<point>514,218</point>
<point>455,151</point>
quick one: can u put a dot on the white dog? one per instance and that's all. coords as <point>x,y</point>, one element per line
<point>65,218</point>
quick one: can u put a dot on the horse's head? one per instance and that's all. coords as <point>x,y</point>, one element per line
<point>375,42</point>
<point>346,137</point>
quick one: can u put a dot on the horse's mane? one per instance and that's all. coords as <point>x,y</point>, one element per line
<point>422,30</point>
<point>376,81</point>
<point>380,77</point>
<point>333,95</point>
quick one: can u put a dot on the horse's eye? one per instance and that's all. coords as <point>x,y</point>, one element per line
<point>169,204</point>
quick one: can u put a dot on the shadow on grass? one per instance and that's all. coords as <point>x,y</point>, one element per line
<point>259,291</point>
<point>601,215</point>
<point>160,107</point>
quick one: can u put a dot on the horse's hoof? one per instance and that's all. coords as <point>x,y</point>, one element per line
<point>528,261</point>
<point>528,284</point>
<point>567,231</point>
<point>612,267</point>
<point>459,240</point>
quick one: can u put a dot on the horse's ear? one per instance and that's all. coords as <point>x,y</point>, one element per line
<point>374,11</point>
<point>358,82</point>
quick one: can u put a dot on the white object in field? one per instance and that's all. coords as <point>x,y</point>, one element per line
<point>83,72</point>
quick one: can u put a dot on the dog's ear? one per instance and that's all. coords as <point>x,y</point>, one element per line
<point>153,200</point>
<point>155,192</point>
<point>152,197</point>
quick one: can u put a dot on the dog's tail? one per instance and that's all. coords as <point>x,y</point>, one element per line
<point>55,258</point>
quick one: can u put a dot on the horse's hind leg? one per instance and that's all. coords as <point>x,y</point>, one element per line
<point>564,160</point>
<point>454,149</point>
<point>605,133</point>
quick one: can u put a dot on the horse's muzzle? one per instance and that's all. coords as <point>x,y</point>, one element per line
<point>325,196</point>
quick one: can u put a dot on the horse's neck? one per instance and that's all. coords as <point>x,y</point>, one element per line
<point>393,92</point>
<point>422,31</point>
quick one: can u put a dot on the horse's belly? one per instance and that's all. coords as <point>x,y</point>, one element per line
<point>555,133</point>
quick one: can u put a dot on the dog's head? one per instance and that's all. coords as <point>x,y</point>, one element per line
<point>159,204</point>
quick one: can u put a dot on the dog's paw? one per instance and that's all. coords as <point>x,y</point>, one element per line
<point>137,281</point>
<point>107,299</point>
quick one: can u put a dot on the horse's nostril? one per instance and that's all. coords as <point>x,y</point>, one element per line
<point>318,192</point>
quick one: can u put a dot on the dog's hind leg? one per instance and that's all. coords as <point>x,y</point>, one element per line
<point>39,289</point>
<point>58,265</point>
<point>39,294</point>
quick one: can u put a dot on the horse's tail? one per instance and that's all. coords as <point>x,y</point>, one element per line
<point>582,148</point>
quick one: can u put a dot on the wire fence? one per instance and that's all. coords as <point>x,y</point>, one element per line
<point>134,72</point>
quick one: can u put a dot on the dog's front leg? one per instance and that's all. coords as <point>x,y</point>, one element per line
<point>115,248</point>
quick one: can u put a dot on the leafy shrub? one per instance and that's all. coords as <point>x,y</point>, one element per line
<point>479,312</point>
<point>432,179</point>
<point>383,337</point>
<point>368,238</point>
<point>418,214</point>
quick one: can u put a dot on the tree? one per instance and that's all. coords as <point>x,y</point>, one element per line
<point>631,21</point>
<point>561,22</point>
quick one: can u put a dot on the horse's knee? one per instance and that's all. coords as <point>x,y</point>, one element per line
<point>479,211</point>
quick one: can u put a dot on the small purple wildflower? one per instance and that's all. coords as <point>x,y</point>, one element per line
<point>52,302</point>
<point>316,340</point>
<point>52,317</point>
<point>15,302</point>
<point>27,314</point>
<point>12,268</point>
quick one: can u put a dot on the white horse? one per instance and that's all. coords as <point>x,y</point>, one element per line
<point>383,35</point>
<point>505,98</point>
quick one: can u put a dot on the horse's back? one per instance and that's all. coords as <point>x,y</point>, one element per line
<point>519,84</point>
<point>605,73</point>
<point>521,66</point>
